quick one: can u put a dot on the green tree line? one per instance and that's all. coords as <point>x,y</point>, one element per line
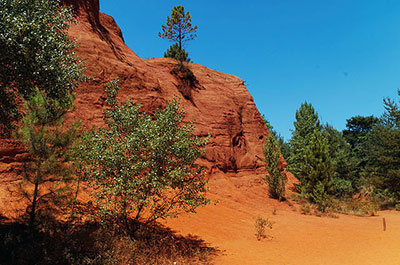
<point>362,159</point>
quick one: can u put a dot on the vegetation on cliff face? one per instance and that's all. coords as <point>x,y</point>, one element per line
<point>175,53</point>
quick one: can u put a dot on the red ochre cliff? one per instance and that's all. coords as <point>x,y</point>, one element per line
<point>220,105</point>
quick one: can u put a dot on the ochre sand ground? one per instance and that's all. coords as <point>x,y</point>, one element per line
<point>295,238</point>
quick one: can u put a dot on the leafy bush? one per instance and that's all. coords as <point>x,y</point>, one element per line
<point>36,54</point>
<point>341,187</point>
<point>142,166</point>
<point>276,178</point>
<point>319,196</point>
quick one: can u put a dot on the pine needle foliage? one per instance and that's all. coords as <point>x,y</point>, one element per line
<point>179,30</point>
<point>317,170</point>
<point>382,149</point>
<point>47,175</point>
<point>175,53</point>
<point>306,123</point>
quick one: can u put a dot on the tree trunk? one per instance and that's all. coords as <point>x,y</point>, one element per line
<point>32,214</point>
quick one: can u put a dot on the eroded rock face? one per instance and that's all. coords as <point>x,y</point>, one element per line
<point>220,104</point>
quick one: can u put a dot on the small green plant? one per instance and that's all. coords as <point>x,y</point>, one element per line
<point>320,197</point>
<point>176,53</point>
<point>397,207</point>
<point>276,178</point>
<point>260,226</point>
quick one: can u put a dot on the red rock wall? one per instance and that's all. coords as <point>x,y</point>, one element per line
<point>220,105</point>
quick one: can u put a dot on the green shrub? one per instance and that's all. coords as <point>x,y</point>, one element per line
<point>140,165</point>
<point>276,178</point>
<point>175,53</point>
<point>340,187</point>
<point>36,54</point>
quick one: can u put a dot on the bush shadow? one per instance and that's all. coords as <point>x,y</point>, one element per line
<point>92,243</point>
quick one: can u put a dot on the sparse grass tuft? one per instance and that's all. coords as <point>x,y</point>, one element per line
<point>260,226</point>
<point>355,207</point>
<point>344,206</point>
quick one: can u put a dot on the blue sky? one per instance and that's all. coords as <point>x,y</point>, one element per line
<point>343,56</point>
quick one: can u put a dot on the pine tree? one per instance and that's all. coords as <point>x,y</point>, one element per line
<point>179,29</point>
<point>382,150</point>
<point>306,123</point>
<point>317,170</point>
<point>357,128</point>
<point>276,178</point>
<point>48,174</point>
<point>283,146</point>
<point>345,178</point>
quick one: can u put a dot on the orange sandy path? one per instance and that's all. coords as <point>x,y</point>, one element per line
<point>295,238</point>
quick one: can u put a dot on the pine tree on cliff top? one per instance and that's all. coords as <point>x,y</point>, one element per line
<point>179,29</point>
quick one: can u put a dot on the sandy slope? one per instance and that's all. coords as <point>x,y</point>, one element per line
<point>295,238</point>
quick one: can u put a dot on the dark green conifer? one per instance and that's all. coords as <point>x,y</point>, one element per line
<point>317,170</point>
<point>175,53</point>
<point>306,123</point>
<point>382,150</point>
<point>179,30</point>
<point>47,175</point>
